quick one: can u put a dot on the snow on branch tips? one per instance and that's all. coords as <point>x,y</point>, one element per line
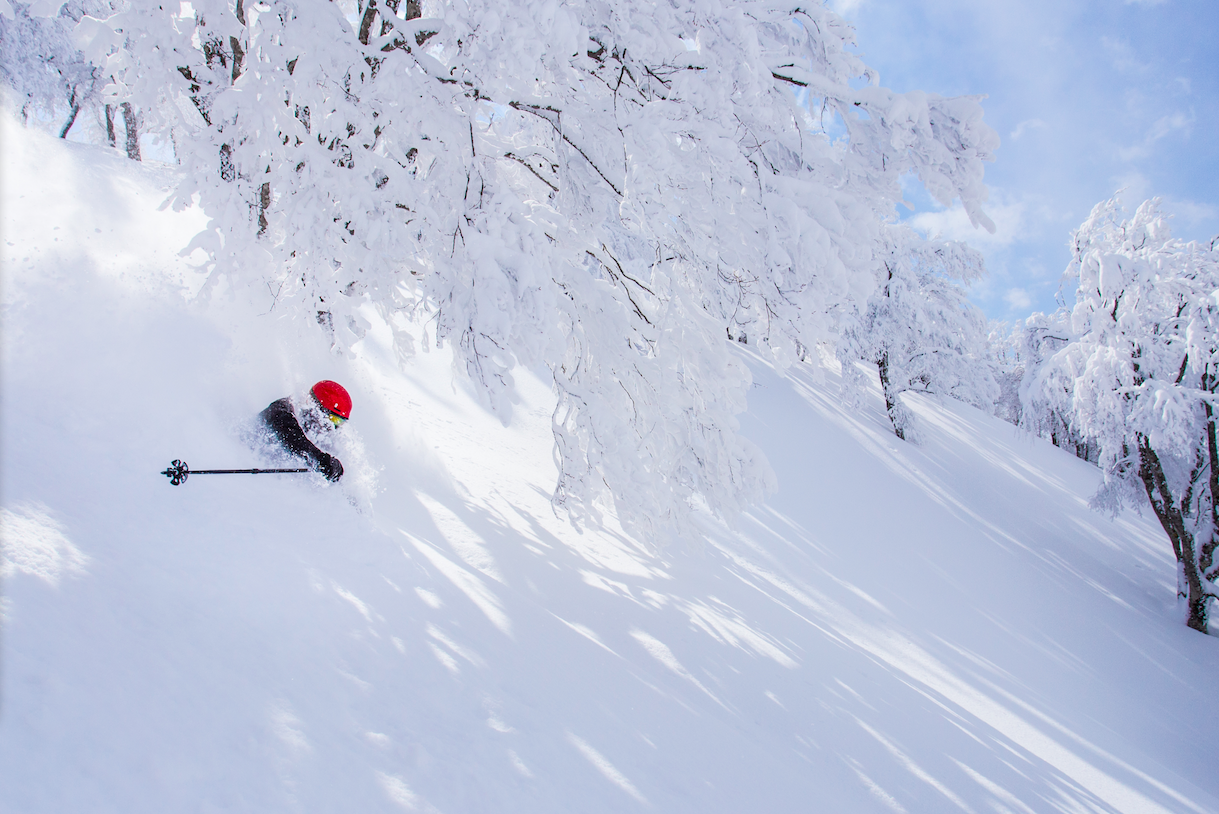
<point>600,189</point>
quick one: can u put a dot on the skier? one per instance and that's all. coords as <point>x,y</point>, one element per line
<point>328,409</point>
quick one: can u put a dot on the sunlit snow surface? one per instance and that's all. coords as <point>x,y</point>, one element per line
<point>922,629</point>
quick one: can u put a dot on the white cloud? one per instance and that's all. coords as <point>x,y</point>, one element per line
<point>1025,126</point>
<point>953,224</point>
<point>1017,299</point>
<point>1169,124</point>
<point>1132,186</point>
<point>1123,55</point>
<point>1162,127</point>
<point>1107,128</point>
<point>846,7</point>
<point>1193,213</point>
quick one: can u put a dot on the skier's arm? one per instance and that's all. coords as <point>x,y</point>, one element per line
<point>280,419</point>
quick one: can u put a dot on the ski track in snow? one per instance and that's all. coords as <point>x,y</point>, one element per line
<point>907,628</point>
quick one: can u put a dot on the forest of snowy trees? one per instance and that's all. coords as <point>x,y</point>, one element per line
<point>610,192</point>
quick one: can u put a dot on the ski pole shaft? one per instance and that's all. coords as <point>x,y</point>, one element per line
<point>178,472</point>
<point>241,471</point>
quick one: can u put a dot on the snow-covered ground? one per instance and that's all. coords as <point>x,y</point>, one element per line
<point>924,629</point>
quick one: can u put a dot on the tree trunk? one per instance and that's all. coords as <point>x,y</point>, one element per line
<point>1173,516</point>
<point>891,405</point>
<point>264,203</point>
<point>1206,562</point>
<point>238,58</point>
<point>110,126</point>
<point>72,114</point>
<point>235,44</point>
<point>370,13</point>
<point>133,132</point>
<point>228,170</point>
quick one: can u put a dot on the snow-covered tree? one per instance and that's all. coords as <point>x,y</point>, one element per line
<point>1049,412</point>
<point>1140,367</point>
<point>601,188</point>
<point>1007,363</point>
<point>41,64</point>
<point>918,331</point>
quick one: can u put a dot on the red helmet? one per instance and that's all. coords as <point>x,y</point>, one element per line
<point>332,397</point>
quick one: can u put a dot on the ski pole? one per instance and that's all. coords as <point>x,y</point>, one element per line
<point>178,472</point>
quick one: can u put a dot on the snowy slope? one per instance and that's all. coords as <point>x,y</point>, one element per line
<point>924,629</point>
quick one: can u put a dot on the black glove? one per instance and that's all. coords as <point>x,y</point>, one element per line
<point>330,466</point>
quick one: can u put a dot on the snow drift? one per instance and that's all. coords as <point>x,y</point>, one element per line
<point>934,628</point>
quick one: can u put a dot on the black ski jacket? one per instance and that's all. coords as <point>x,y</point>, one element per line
<point>281,420</point>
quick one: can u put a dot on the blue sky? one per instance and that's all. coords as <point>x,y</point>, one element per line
<point>1088,97</point>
